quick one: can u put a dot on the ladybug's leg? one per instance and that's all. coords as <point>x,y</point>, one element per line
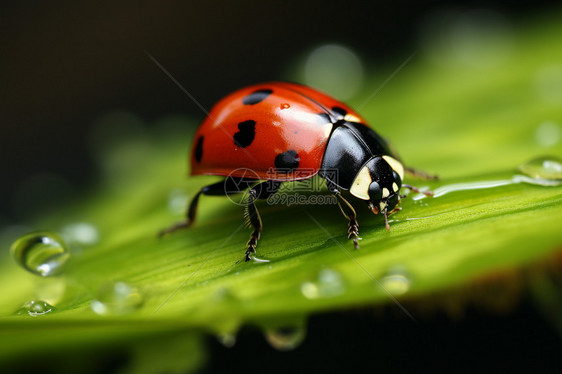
<point>261,191</point>
<point>420,174</point>
<point>190,218</point>
<point>417,190</point>
<point>228,186</point>
<point>348,212</point>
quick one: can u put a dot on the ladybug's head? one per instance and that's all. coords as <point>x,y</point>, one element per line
<point>379,182</point>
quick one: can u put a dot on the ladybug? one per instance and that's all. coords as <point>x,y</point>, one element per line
<point>289,132</point>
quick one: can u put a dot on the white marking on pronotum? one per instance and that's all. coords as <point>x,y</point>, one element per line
<point>351,118</point>
<point>395,165</point>
<point>360,186</point>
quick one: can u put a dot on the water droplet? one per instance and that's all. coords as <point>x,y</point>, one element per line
<point>224,295</point>
<point>177,201</point>
<point>548,134</point>
<point>285,338</point>
<point>228,340</point>
<point>549,168</point>
<point>35,308</point>
<point>222,299</point>
<point>544,171</point>
<point>117,298</point>
<point>397,280</point>
<point>310,290</point>
<point>335,69</point>
<point>329,284</point>
<point>259,260</point>
<point>42,253</point>
<point>82,233</point>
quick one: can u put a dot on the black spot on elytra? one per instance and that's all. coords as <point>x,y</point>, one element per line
<point>324,118</point>
<point>287,161</point>
<point>246,134</point>
<point>199,149</point>
<point>256,96</point>
<point>340,111</point>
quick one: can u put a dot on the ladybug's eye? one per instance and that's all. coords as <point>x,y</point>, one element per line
<point>375,192</point>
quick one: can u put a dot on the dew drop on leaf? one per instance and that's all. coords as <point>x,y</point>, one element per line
<point>177,201</point>
<point>310,290</point>
<point>259,260</point>
<point>547,167</point>
<point>548,134</point>
<point>228,340</point>
<point>224,295</point>
<point>117,298</point>
<point>329,284</point>
<point>35,308</point>
<point>42,253</point>
<point>82,233</point>
<point>397,280</point>
<point>285,338</point>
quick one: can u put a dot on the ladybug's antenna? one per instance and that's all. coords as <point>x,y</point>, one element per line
<point>417,190</point>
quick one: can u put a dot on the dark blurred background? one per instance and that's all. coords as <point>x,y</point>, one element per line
<point>64,64</point>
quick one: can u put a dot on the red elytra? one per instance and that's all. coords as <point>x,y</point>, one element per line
<point>267,120</point>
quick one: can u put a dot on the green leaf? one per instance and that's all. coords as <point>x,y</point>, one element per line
<point>470,125</point>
